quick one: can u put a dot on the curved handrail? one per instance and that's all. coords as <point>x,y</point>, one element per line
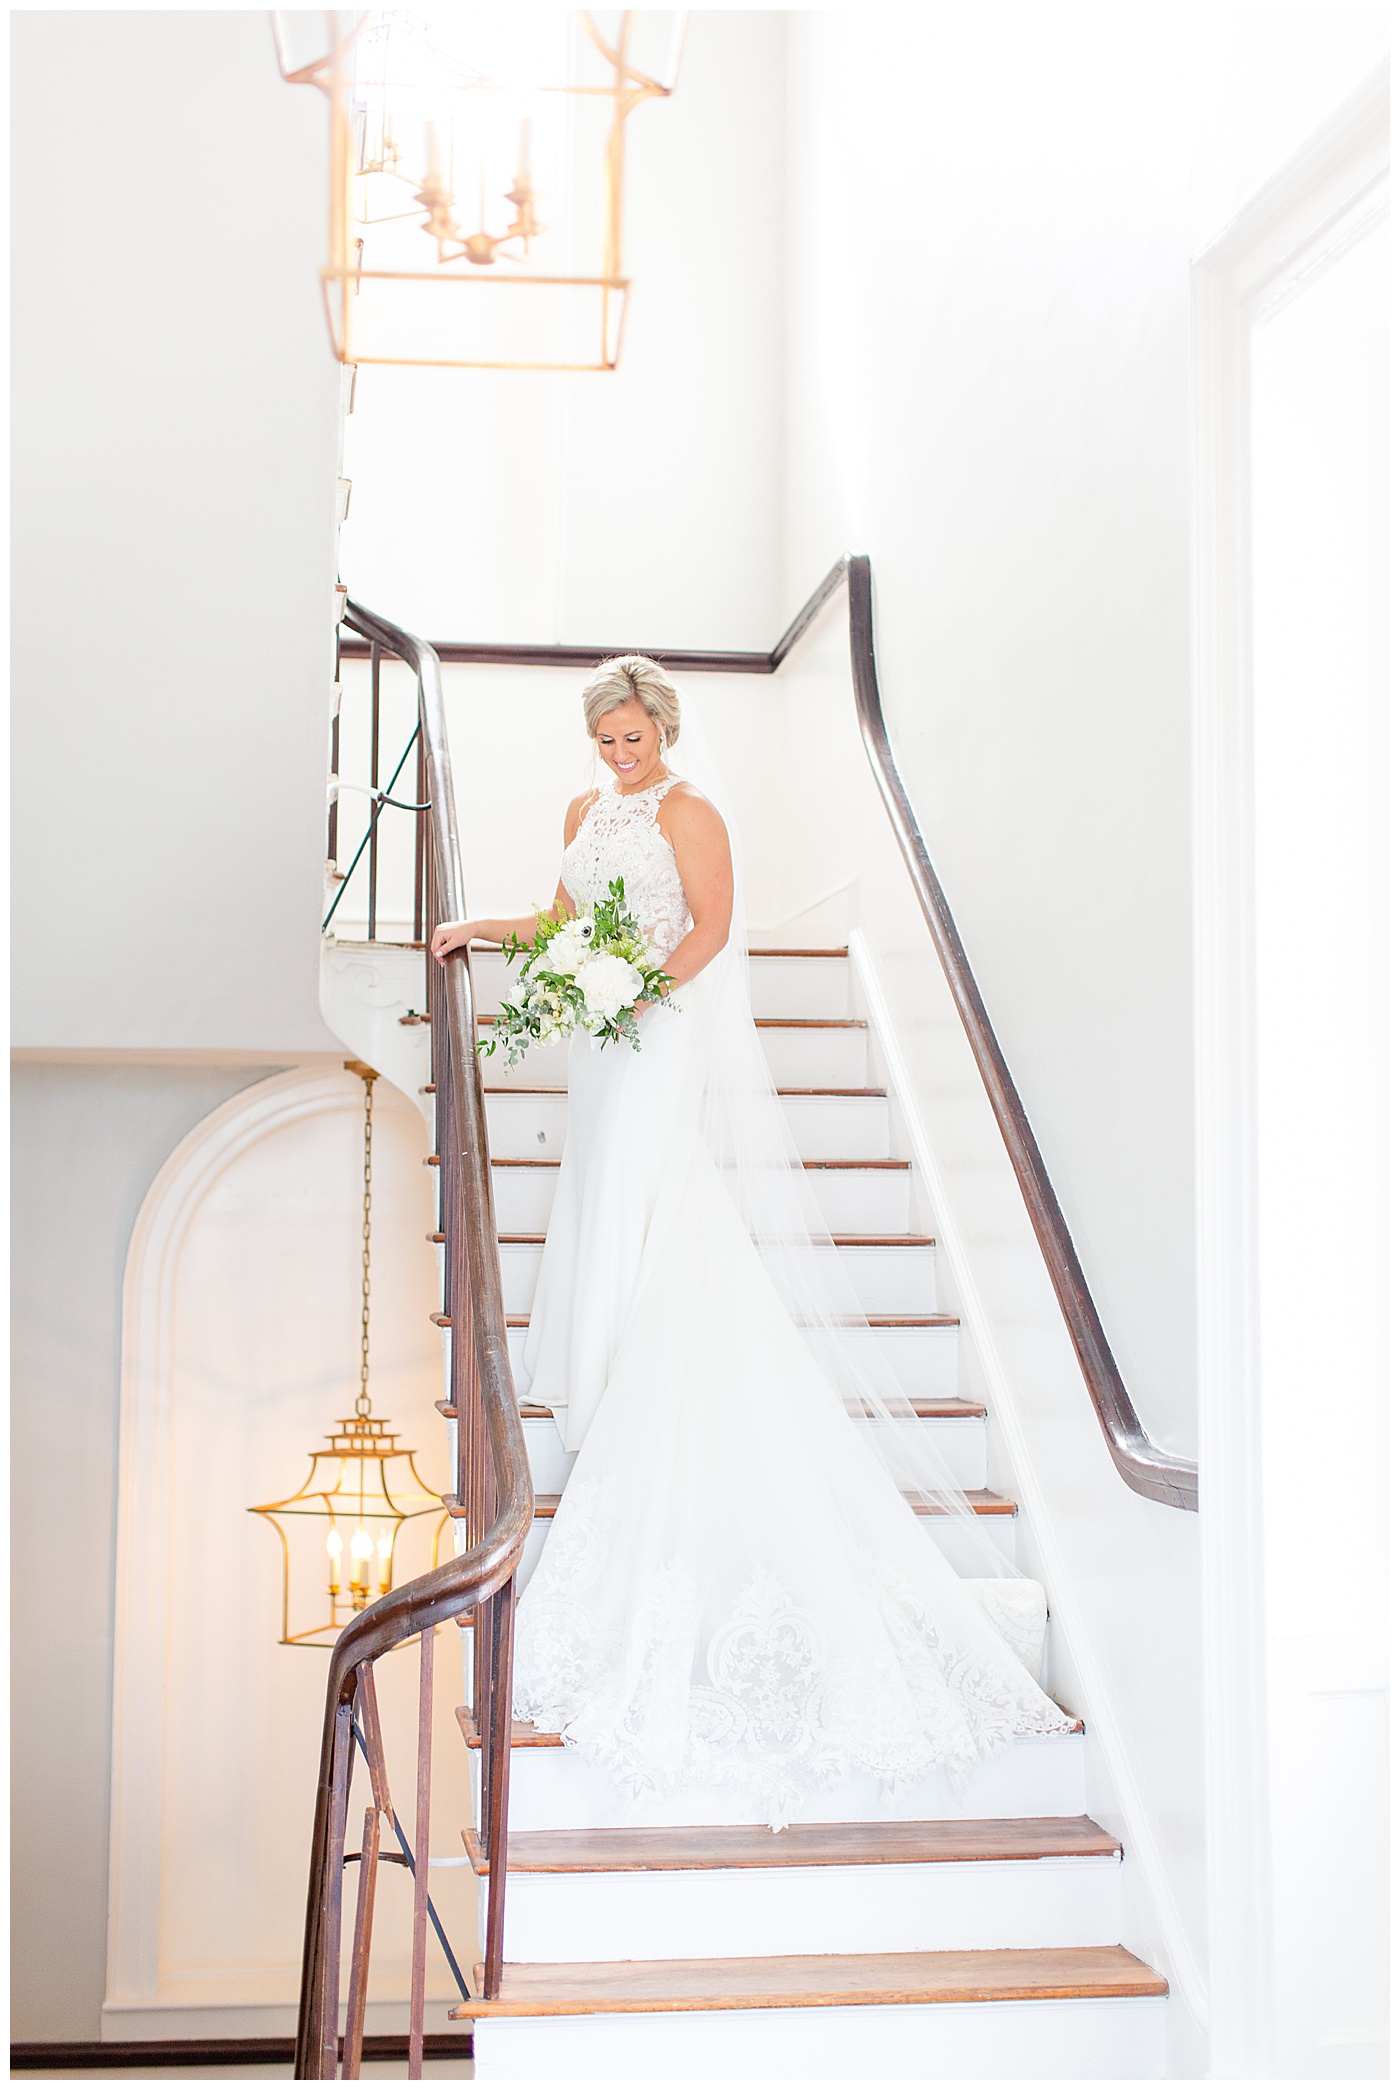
<point>469,1580</point>
<point>1162,1476</point>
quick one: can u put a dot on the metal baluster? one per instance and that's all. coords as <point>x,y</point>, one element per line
<point>374,658</point>
<point>333,816</point>
<point>420,854</point>
<point>335,1881</point>
<point>502,1651</point>
<point>359,1957</point>
<point>418,1983</point>
<point>374,1738</point>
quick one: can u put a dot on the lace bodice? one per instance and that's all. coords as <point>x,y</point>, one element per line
<point>618,837</point>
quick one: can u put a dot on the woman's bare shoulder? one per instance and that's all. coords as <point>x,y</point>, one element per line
<point>685,814</point>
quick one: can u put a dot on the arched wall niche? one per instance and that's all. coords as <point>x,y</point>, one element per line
<point>240,1345</point>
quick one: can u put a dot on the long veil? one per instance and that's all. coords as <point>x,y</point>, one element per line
<point>746,1131</point>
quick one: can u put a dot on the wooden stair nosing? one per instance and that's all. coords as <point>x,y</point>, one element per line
<point>871,1321</point>
<point>839,950</point>
<point>984,1504</point>
<point>746,1847</point>
<point>535,1161</point>
<point>536,1240</point>
<point>557,1089</point>
<point>525,1735</point>
<point>583,1988</point>
<point>768,1023</point>
<point>927,1407</point>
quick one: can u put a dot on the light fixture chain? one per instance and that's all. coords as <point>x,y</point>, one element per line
<point>362,1403</point>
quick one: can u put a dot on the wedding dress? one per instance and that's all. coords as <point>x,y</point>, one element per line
<point>735,1590</point>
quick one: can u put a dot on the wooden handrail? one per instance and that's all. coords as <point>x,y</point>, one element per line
<point>1148,1470</point>
<point>1160,1475</point>
<point>480,1580</point>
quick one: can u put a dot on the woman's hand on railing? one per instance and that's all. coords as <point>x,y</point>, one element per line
<point>452,936</point>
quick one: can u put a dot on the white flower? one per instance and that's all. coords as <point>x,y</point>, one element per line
<point>569,946</point>
<point>609,984</point>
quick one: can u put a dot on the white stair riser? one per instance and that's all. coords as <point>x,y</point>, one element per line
<point>975,1906</point>
<point>965,1557</point>
<point>797,1058</point>
<point>883,1280</point>
<point>1038,1775</point>
<point>824,1128</point>
<point>1077,2038</point>
<point>779,986</point>
<point>550,1464</point>
<point>923,1360</point>
<point>850,1200</point>
<point>961,1443</point>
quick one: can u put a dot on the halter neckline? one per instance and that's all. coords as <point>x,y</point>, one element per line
<point>662,784</point>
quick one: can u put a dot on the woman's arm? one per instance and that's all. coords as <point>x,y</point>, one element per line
<point>701,843</point>
<point>450,936</point>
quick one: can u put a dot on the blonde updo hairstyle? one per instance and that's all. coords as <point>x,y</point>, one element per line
<point>619,681</point>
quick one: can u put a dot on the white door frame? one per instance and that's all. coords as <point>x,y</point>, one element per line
<point>1327,196</point>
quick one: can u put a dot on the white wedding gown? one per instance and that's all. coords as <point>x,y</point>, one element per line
<point>734,1591</point>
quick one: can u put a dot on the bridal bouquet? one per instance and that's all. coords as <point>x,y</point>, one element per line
<point>582,972</point>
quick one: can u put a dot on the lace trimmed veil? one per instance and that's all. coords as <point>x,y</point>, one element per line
<point>746,1131</point>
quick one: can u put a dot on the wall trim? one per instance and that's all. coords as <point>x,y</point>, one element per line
<point>1183,1968</point>
<point>1325,197</point>
<point>147,1391</point>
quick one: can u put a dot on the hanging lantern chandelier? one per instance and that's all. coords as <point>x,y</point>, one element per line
<point>363,1489</point>
<point>478,160</point>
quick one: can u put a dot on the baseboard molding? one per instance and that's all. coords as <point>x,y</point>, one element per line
<point>64,2056</point>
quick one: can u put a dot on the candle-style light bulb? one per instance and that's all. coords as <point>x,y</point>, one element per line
<point>386,1548</point>
<point>335,1546</point>
<point>523,177</point>
<point>361,1546</point>
<point>432,154</point>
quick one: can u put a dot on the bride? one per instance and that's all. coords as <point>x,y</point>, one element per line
<point>740,1587</point>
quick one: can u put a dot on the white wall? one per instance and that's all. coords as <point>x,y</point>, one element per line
<point>519,754</point>
<point>85,1144</point>
<point>993,215</point>
<point>174,469</point>
<point>635,507</point>
<point>1322,794</point>
<point>241,1348</point>
<point>173,473</point>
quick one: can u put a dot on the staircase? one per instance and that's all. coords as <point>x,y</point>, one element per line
<point>919,1938</point>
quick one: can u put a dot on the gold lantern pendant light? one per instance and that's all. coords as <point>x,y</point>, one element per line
<point>363,1488</point>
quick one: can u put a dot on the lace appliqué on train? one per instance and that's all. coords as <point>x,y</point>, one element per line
<point>763,1705</point>
<point>618,837</point>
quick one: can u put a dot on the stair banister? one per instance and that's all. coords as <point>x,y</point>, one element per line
<point>1162,1476</point>
<point>493,1466</point>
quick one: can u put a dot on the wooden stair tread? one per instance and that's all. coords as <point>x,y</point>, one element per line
<point>525,1735</point>
<point>926,1406</point>
<point>838,1240</point>
<point>874,1320</point>
<point>776,1022</point>
<point>983,1501</point>
<point>839,950</point>
<point>580,1988</point>
<point>531,1161</point>
<point>557,1089</point>
<point>747,1847</point>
